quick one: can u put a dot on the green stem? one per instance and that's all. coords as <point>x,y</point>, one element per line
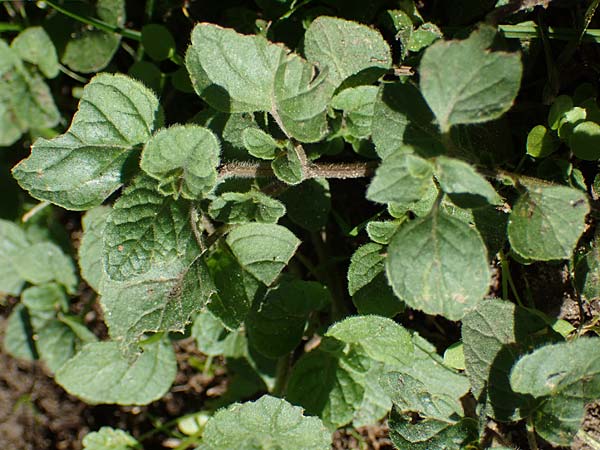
<point>531,31</point>
<point>10,27</point>
<point>531,435</point>
<point>282,373</point>
<point>506,274</point>
<point>101,25</point>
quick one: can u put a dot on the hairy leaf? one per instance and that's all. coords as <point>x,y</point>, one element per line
<point>262,249</point>
<point>34,46</point>
<point>358,104</point>
<point>91,246</point>
<point>311,215</point>
<point>13,243</point>
<point>237,207</point>
<point>438,264</point>
<point>463,82</point>
<point>107,438</point>
<point>18,336</point>
<point>184,159</point>
<point>268,422</point>
<point>547,221</point>
<point>101,373</point>
<point>81,168</point>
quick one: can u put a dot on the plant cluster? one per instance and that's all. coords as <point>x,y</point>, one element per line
<point>219,222</point>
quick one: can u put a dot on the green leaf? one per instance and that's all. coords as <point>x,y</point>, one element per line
<point>276,324</point>
<point>262,249</point>
<point>402,177</point>
<point>566,375</point>
<point>236,289</point>
<point>55,344</point>
<point>428,434</point>
<point>584,141</point>
<point>107,438</point>
<point>144,230</point>
<point>311,215</point>
<point>346,48</point>
<point>18,336</point>
<point>424,36</point>
<point>13,243</point>
<point>43,303</point>
<point>81,168</point>
<point>380,338</point>
<point>403,118</point>
<point>92,49</point>
<point>430,272</point>
<point>212,338</point>
<point>382,231</point>
<point>287,167</point>
<point>587,274</point>
<point>101,373</point>
<point>268,422</point>
<point>454,356</point>
<point>482,89</point>
<point>44,262</point>
<point>34,46</point>
<point>233,72</point>
<point>495,335</point>
<point>358,104</point>
<point>158,41</point>
<point>91,246</point>
<point>237,207</point>
<point>541,143</point>
<point>367,283</point>
<point>375,403</point>
<point>569,121</point>
<point>466,187</point>
<point>25,99</point>
<point>547,221</point>
<point>259,144</point>
<point>561,105</point>
<point>184,159</point>
<point>163,299</point>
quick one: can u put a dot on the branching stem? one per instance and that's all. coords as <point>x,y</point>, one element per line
<point>313,170</point>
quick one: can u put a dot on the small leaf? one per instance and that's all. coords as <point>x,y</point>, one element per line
<point>184,159</point>
<point>13,243</point>
<point>163,299</point>
<point>144,230</point>
<point>237,207</point>
<point>101,373</point>
<point>540,142</point>
<point>268,422</point>
<point>18,337</point>
<point>466,187</point>
<point>454,356</point>
<point>158,41</point>
<point>287,167</point>
<point>263,249</point>
<point>585,140</point>
<point>402,177</point>
<point>463,82</point>
<point>382,231</point>
<point>587,274</point>
<point>561,105</point>
<point>34,46</point>
<point>430,272</point>
<point>380,338</point>
<point>276,324</point>
<point>55,344</point>
<point>402,118</point>
<point>346,48</point>
<point>212,338</point>
<point>91,246</point>
<point>358,104</point>
<point>107,438</point>
<point>259,144</point>
<point>424,36</point>
<point>547,221</point>
<point>81,168</point>
<point>44,262</point>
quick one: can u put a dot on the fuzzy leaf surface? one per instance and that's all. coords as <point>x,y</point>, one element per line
<point>267,423</point>
<point>81,168</point>
<point>463,82</point>
<point>263,249</point>
<point>91,246</point>
<point>184,159</point>
<point>547,221</point>
<point>429,271</point>
<point>101,373</point>
<point>252,206</point>
<point>107,438</point>
<point>34,46</point>
<point>13,242</point>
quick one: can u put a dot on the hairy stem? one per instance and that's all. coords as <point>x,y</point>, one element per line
<point>313,170</point>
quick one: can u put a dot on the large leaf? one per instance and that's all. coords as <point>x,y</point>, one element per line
<point>184,159</point>
<point>91,246</point>
<point>101,373</point>
<point>438,264</point>
<point>145,229</point>
<point>346,48</point>
<point>13,243</point>
<point>81,168</point>
<point>263,249</point>
<point>547,221</point>
<point>268,423</point>
<point>402,177</point>
<point>464,82</point>
<point>401,118</point>
<point>275,324</point>
<point>495,335</point>
<point>163,299</point>
<point>566,375</point>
